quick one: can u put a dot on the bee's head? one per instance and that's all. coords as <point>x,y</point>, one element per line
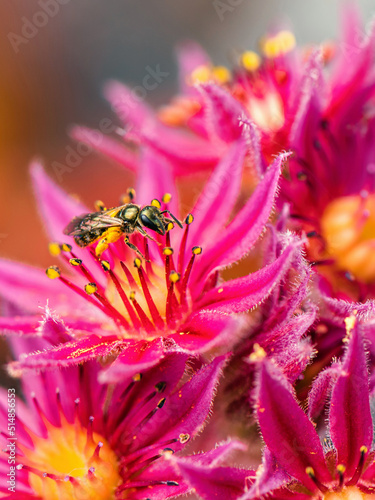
<point>151,218</point>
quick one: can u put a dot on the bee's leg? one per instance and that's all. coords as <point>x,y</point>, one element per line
<point>179,223</point>
<point>110,236</point>
<point>133,247</point>
<point>143,233</point>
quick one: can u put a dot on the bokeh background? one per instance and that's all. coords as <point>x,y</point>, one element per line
<point>52,75</point>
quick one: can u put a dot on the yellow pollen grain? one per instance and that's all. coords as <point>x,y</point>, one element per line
<point>280,44</point>
<point>196,250</point>
<point>75,262</point>
<point>167,251</point>
<point>189,219</point>
<point>65,247</point>
<point>221,74</point>
<point>221,290</point>
<point>54,249</point>
<point>350,323</point>
<point>132,295</point>
<point>91,288</point>
<point>310,471</point>
<point>137,377</point>
<point>167,198</point>
<point>99,206</point>
<point>174,277</point>
<point>105,265</point>
<point>341,468</point>
<point>156,203</point>
<point>53,272</point>
<point>201,74</point>
<point>258,353</point>
<point>137,263</point>
<point>250,60</point>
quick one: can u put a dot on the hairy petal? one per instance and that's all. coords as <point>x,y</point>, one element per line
<point>350,416</point>
<point>242,294</point>
<point>286,430</point>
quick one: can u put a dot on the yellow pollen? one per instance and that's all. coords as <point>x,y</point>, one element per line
<point>258,353</point>
<point>189,219</point>
<point>363,449</point>
<point>156,203</point>
<point>221,74</point>
<point>201,74</point>
<point>105,265</point>
<point>168,251</point>
<point>65,247</point>
<point>250,60</point>
<point>184,438</point>
<point>310,471</point>
<point>137,377</point>
<point>91,288</point>
<point>75,262</point>
<point>349,323</point>
<point>54,249</point>
<point>280,44</point>
<point>348,228</point>
<point>53,272</point>
<point>137,263</point>
<point>65,452</point>
<point>196,250</point>
<point>341,468</point>
<point>174,277</point>
<point>221,290</point>
<point>167,198</point>
<point>170,226</point>
<point>132,295</point>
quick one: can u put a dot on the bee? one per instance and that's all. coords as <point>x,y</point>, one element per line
<point>107,226</point>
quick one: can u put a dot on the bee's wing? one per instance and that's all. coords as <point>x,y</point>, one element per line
<point>91,222</point>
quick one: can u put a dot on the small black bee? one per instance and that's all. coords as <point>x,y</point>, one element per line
<point>110,225</point>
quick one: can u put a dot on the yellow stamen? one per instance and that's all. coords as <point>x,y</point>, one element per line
<point>53,272</point>
<point>65,247</point>
<point>221,74</point>
<point>168,251</point>
<point>137,263</point>
<point>258,353</point>
<point>75,262</point>
<point>280,44</point>
<point>174,277</point>
<point>91,288</point>
<point>189,219</point>
<point>167,198</point>
<point>156,203</point>
<point>250,60</point>
<point>105,265</point>
<point>201,74</point>
<point>196,250</point>
<point>54,249</point>
<point>99,206</point>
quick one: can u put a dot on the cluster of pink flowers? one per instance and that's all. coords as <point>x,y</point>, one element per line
<point>232,357</point>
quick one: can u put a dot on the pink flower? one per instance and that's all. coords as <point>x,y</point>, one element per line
<point>296,462</point>
<point>121,306</point>
<point>78,439</point>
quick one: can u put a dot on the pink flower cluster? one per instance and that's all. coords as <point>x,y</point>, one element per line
<point>231,357</point>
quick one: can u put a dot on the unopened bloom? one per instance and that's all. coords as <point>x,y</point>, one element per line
<point>80,439</point>
<point>174,300</point>
<point>296,461</point>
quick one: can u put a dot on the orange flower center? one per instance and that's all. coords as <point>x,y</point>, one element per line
<point>71,462</point>
<point>348,227</point>
<point>350,493</point>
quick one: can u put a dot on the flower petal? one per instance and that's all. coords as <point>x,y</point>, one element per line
<point>107,146</point>
<point>286,430</point>
<point>70,353</point>
<point>350,416</point>
<point>223,112</point>
<point>217,200</point>
<point>245,229</point>
<point>244,293</point>
<point>190,56</point>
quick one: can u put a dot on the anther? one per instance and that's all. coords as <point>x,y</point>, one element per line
<point>131,193</point>
<point>137,263</point>
<point>310,472</point>
<point>64,247</point>
<point>105,265</point>
<point>357,474</point>
<point>174,276</point>
<point>137,377</point>
<point>99,206</point>
<point>250,60</point>
<point>54,249</point>
<point>161,403</point>
<point>196,250</point>
<point>189,219</point>
<point>340,471</point>
<point>75,262</point>
<point>53,272</point>
<point>132,295</point>
<point>167,198</point>
<point>184,438</point>
<point>91,288</point>
<point>170,226</point>
<point>168,251</point>
<point>168,452</point>
<point>156,203</point>
<point>160,386</point>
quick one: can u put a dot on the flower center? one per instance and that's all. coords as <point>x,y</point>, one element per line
<point>348,227</point>
<point>71,462</point>
<point>147,296</point>
<point>350,493</point>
